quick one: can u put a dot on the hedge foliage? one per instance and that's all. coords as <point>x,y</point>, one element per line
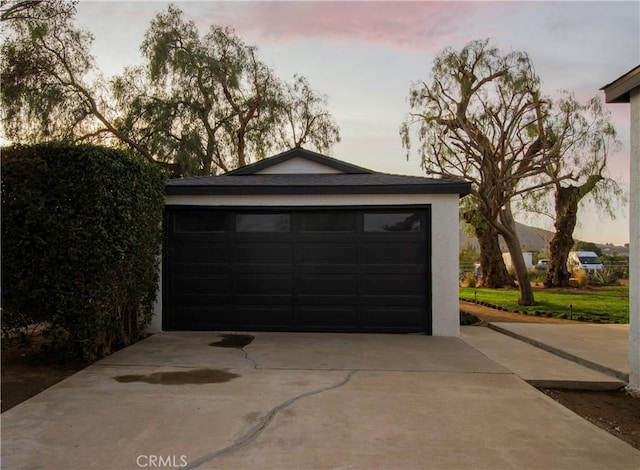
<point>81,237</point>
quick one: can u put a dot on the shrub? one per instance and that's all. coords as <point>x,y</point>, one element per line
<point>537,277</point>
<point>604,277</point>
<point>469,319</point>
<point>582,278</point>
<point>470,280</point>
<point>81,235</point>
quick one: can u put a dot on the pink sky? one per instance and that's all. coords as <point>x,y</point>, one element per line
<point>365,55</point>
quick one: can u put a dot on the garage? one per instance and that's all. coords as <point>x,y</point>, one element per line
<point>305,242</point>
<point>302,270</point>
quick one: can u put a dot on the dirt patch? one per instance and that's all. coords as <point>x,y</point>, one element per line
<point>190,377</point>
<point>26,373</point>
<point>233,341</point>
<point>616,412</point>
<point>488,314</point>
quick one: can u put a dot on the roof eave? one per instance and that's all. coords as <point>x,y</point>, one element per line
<point>299,152</point>
<point>619,91</point>
<point>462,189</point>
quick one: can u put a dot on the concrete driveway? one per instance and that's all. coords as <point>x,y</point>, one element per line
<point>291,400</point>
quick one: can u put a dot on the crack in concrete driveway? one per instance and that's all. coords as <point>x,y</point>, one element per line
<point>264,423</point>
<point>246,356</point>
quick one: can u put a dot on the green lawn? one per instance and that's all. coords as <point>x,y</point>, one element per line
<point>603,304</point>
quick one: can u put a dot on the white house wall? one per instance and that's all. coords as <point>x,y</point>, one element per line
<point>298,166</point>
<point>444,240</point>
<point>634,245</point>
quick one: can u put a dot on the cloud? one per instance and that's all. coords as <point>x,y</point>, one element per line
<point>412,26</point>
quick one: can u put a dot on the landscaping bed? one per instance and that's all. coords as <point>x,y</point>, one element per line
<point>26,372</point>
<point>591,304</point>
<point>616,411</point>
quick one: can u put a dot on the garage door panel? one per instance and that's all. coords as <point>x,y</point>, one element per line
<point>180,270</point>
<point>330,269</point>
<point>327,316</point>
<point>372,317</point>
<point>391,300</point>
<point>393,253</point>
<point>243,270</point>
<point>261,299</point>
<point>202,299</point>
<point>263,253</point>
<point>327,253</point>
<point>259,316</point>
<point>324,300</point>
<point>329,284</point>
<point>392,269</point>
<point>399,285</point>
<point>267,284</point>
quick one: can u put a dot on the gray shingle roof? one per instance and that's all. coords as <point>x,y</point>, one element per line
<point>372,183</point>
<point>352,180</point>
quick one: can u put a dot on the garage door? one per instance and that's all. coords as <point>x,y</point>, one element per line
<point>290,270</point>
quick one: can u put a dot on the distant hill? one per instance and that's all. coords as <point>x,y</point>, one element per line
<point>532,239</point>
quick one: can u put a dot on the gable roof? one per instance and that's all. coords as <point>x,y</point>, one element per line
<point>303,154</point>
<point>619,90</point>
<point>351,179</point>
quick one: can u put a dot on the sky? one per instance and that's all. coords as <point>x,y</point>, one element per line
<point>364,55</point>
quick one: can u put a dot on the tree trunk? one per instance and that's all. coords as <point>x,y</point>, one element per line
<point>566,217</point>
<point>241,147</point>
<point>510,236</point>
<point>494,271</point>
<point>566,205</point>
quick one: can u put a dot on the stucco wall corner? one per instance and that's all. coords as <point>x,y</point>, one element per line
<point>634,244</point>
<point>444,265</point>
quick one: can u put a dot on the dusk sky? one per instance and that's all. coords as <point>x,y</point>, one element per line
<point>365,55</point>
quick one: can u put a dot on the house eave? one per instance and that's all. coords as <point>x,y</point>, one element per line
<point>305,154</point>
<point>461,188</point>
<point>619,91</point>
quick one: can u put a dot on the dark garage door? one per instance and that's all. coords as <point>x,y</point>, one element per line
<point>290,270</point>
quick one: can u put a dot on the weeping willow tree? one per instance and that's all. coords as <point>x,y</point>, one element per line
<point>201,103</point>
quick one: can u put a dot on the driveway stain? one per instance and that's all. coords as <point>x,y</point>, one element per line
<point>233,341</point>
<point>187,377</point>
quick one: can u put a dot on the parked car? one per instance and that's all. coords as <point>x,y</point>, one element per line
<point>542,265</point>
<point>586,261</point>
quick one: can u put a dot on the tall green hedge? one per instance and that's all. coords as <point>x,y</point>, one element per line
<point>81,237</point>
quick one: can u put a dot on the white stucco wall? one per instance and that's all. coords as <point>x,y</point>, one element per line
<point>444,266</point>
<point>634,246</point>
<point>444,226</point>
<point>298,166</point>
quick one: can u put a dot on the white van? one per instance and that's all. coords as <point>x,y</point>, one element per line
<point>586,261</point>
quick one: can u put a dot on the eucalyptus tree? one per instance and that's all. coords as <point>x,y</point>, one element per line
<point>577,167</point>
<point>481,117</point>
